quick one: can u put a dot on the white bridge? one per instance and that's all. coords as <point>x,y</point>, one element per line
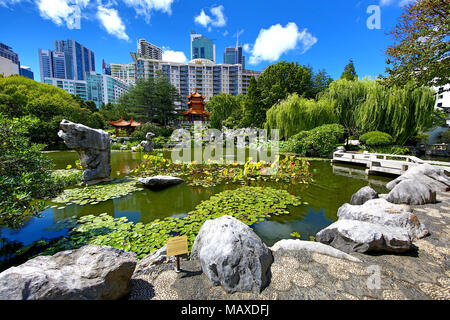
<point>385,163</point>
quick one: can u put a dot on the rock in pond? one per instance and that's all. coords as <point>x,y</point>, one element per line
<point>160,182</point>
<point>93,146</point>
<point>232,255</point>
<point>377,225</point>
<point>89,273</point>
<point>363,195</point>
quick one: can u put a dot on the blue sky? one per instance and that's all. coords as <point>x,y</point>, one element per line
<point>324,34</point>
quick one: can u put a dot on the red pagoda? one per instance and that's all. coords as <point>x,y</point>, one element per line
<point>123,124</point>
<point>196,108</point>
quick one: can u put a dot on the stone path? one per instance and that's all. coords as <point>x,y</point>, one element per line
<point>421,274</point>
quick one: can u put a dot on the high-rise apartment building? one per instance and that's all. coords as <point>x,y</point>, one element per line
<point>99,88</point>
<point>26,72</point>
<point>202,47</point>
<point>124,72</point>
<point>69,60</point>
<point>208,78</point>
<point>148,50</point>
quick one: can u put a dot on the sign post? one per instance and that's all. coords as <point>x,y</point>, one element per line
<point>176,247</point>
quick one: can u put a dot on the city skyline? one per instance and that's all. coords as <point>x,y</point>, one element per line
<point>322,35</point>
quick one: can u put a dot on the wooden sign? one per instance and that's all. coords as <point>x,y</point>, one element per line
<point>177,246</point>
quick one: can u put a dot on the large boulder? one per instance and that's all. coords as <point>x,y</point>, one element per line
<point>148,143</point>
<point>311,246</point>
<point>363,195</point>
<point>411,192</point>
<point>160,182</point>
<point>93,146</point>
<point>232,255</point>
<point>428,175</point>
<point>377,225</point>
<point>359,236</point>
<point>418,185</point>
<point>89,273</point>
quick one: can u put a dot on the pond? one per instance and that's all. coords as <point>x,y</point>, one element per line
<point>333,186</point>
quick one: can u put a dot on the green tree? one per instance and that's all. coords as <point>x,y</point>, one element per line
<point>349,72</point>
<point>275,84</point>
<point>24,172</point>
<point>296,114</point>
<point>321,81</point>
<point>20,96</point>
<point>152,100</point>
<point>421,45</point>
<point>222,107</point>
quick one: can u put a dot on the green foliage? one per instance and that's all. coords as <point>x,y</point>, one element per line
<point>289,169</point>
<point>320,141</point>
<point>20,96</point>
<point>295,235</point>
<point>296,114</point>
<point>248,204</point>
<point>349,72</point>
<point>67,177</point>
<point>141,131</point>
<point>224,107</point>
<point>113,112</point>
<point>24,172</point>
<point>363,106</point>
<point>276,83</point>
<point>152,100</point>
<point>376,139</point>
<point>421,45</point>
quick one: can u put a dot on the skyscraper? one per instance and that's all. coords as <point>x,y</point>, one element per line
<point>202,47</point>
<point>234,56</point>
<point>69,60</point>
<point>148,50</point>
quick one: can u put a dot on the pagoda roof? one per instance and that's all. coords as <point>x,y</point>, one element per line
<point>196,112</point>
<point>124,123</point>
<point>195,95</point>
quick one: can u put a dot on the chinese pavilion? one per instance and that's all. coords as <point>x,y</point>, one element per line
<point>122,124</point>
<point>196,108</point>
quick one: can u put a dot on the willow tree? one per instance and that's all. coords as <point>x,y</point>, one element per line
<point>296,114</point>
<point>403,112</point>
<point>347,96</point>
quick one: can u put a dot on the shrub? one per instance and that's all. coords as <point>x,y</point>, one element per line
<point>376,139</point>
<point>24,172</point>
<point>320,141</point>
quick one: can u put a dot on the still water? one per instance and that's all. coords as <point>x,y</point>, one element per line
<point>333,186</point>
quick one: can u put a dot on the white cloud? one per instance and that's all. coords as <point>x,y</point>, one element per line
<point>219,19</point>
<point>203,19</point>
<point>112,22</point>
<point>60,11</point>
<point>5,3</point>
<point>174,56</point>
<point>247,48</point>
<point>145,7</point>
<point>277,40</point>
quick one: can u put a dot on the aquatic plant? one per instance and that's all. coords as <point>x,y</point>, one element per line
<point>248,204</point>
<point>289,169</point>
<point>97,193</point>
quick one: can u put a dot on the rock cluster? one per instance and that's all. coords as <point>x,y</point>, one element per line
<point>93,146</point>
<point>418,185</point>
<point>147,144</point>
<point>89,273</point>
<point>370,223</point>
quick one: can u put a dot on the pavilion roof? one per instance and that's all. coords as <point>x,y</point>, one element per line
<point>195,95</point>
<point>191,111</point>
<point>124,123</point>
